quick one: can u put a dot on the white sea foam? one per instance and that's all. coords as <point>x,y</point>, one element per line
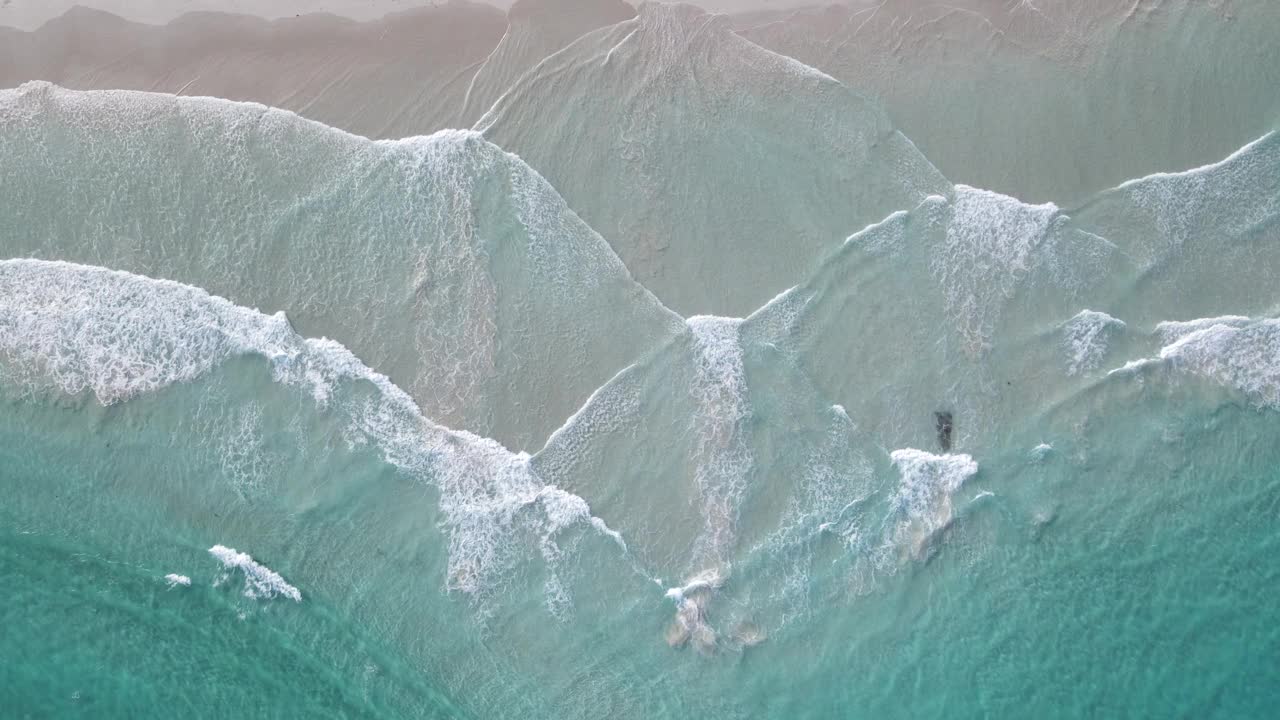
<point>1223,198</point>
<point>239,446</point>
<point>723,453</point>
<point>260,581</point>
<point>991,245</point>
<point>723,460</point>
<point>922,505</point>
<point>707,580</point>
<point>1171,331</point>
<point>489,496</point>
<point>1243,357</point>
<point>1133,366</point>
<point>886,235</point>
<point>454,295</point>
<point>117,334</point>
<point>1086,337</point>
<point>175,580</point>
<point>1231,350</point>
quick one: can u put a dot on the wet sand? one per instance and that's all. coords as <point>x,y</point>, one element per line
<point>1052,100</point>
<point>405,74</point>
<point>31,14</point>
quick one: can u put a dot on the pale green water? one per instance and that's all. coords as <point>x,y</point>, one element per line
<point>678,516</point>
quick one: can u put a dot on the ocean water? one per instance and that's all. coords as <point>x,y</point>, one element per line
<point>1122,89</point>
<point>798,160</point>
<point>295,423</point>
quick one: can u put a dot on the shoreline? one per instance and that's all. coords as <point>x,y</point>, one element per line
<point>31,15</point>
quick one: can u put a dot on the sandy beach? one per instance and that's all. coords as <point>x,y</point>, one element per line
<point>31,14</point>
<point>406,74</point>
<point>876,360</point>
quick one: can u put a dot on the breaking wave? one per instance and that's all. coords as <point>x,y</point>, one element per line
<point>73,329</point>
<point>260,581</point>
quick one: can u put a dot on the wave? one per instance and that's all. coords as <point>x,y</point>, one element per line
<point>1233,352</point>
<point>990,246</point>
<point>673,103</point>
<point>117,335</point>
<point>260,581</point>
<point>697,476</point>
<point>673,451</point>
<point>419,254</point>
<point>723,453</point>
<point>966,283</point>
<point>1212,226</point>
<point>719,461</point>
<point>922,505</point>
<point>818,514</point>
<point>987,292</point>
<point>70,328</point>
<point>1086,337</point>
<point>923,424</point>
<point>1228,197</point>
<point>1012,96</point>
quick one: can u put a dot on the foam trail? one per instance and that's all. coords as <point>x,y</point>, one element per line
<point>991,244</point>
<point>837,482</point>
<point>260,581</point>
<point>724,457</point>
<point>175,580</point>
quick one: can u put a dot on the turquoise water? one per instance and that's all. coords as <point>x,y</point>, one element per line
<point>1121,571</point>
<point>294,423</point>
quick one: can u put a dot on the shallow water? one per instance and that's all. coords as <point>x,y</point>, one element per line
<point>294,423</point>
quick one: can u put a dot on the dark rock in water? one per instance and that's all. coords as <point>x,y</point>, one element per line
<point>942,421</point>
